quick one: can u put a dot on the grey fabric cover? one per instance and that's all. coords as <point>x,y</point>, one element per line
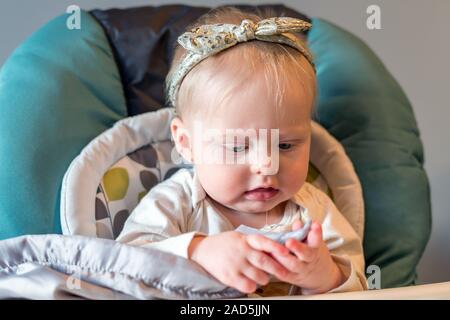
<point>78,267</point>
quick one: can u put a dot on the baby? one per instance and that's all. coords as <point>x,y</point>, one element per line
<point>244,88</point>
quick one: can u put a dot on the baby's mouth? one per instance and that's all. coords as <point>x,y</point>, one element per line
<point>261,194</point>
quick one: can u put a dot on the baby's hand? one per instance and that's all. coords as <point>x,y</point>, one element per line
<point>237,260</point>
<point>310,266</point>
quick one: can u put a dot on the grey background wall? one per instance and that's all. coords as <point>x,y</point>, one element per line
<point>414,44</point>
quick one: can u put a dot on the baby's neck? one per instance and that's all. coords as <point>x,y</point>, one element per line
<point>252,219</point>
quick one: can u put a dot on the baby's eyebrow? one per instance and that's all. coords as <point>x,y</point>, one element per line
<point>300,133</point>
<point>239,135</point>
<point>291,139</point>
<point>297,134</point>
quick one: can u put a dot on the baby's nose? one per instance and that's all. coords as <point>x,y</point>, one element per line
<point>264,167</point>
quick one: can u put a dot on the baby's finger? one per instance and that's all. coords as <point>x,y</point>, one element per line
<point>255,274</point>
<point>290,262</point>
<point>297,225</point>
<point>301,250</point>
<point>266,263</point>
<point>261,243</point>
<point>243,284</point>
<point>314,239</point>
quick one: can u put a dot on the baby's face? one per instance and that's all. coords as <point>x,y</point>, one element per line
<point>237,157</point>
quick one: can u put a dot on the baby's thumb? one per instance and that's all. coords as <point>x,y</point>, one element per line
<point>314,239</point>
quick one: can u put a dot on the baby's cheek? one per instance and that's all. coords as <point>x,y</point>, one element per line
<point>222,182</point>
<point>233,179</point>
<point>293,174</point>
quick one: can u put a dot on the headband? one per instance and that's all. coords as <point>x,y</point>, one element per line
<point>207,40</point>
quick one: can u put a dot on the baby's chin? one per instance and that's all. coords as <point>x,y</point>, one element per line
<point>254,206</point>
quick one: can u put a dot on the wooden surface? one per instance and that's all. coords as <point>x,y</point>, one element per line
<point>428,291</point>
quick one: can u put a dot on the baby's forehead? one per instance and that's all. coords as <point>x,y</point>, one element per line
<point>254,111</point>
<point>223,127</point>
<point>252,89</point>
<point>239,88</point>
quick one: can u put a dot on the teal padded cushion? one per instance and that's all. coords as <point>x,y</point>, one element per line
<point>58,90</point>
<point>363,106</point>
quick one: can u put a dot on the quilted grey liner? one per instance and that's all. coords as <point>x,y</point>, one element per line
<point>79,267</point>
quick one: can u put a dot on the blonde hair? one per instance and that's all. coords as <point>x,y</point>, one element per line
<point>278,62</point>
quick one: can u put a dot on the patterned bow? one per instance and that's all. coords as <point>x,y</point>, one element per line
<point>217,37</point>
<point>207,40</point>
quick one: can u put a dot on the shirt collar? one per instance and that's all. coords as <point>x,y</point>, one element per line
<point>198,193</point>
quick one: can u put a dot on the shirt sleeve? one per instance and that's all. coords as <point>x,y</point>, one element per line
<point>342,241</point>
<point>161,219</point>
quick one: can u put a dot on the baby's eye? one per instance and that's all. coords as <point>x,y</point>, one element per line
<point>236,149</point>
<point>285,146</point>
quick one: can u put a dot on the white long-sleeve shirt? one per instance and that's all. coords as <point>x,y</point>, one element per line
<point>177,209</point>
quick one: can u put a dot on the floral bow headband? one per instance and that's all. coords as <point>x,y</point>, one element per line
<point>207,40</point>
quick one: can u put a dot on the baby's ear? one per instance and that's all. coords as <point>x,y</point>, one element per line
<point>181,138</point>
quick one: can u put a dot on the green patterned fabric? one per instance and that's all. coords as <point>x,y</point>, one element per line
<point>127,182</point>
<point>363,106</point>
<point>58,90</point>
